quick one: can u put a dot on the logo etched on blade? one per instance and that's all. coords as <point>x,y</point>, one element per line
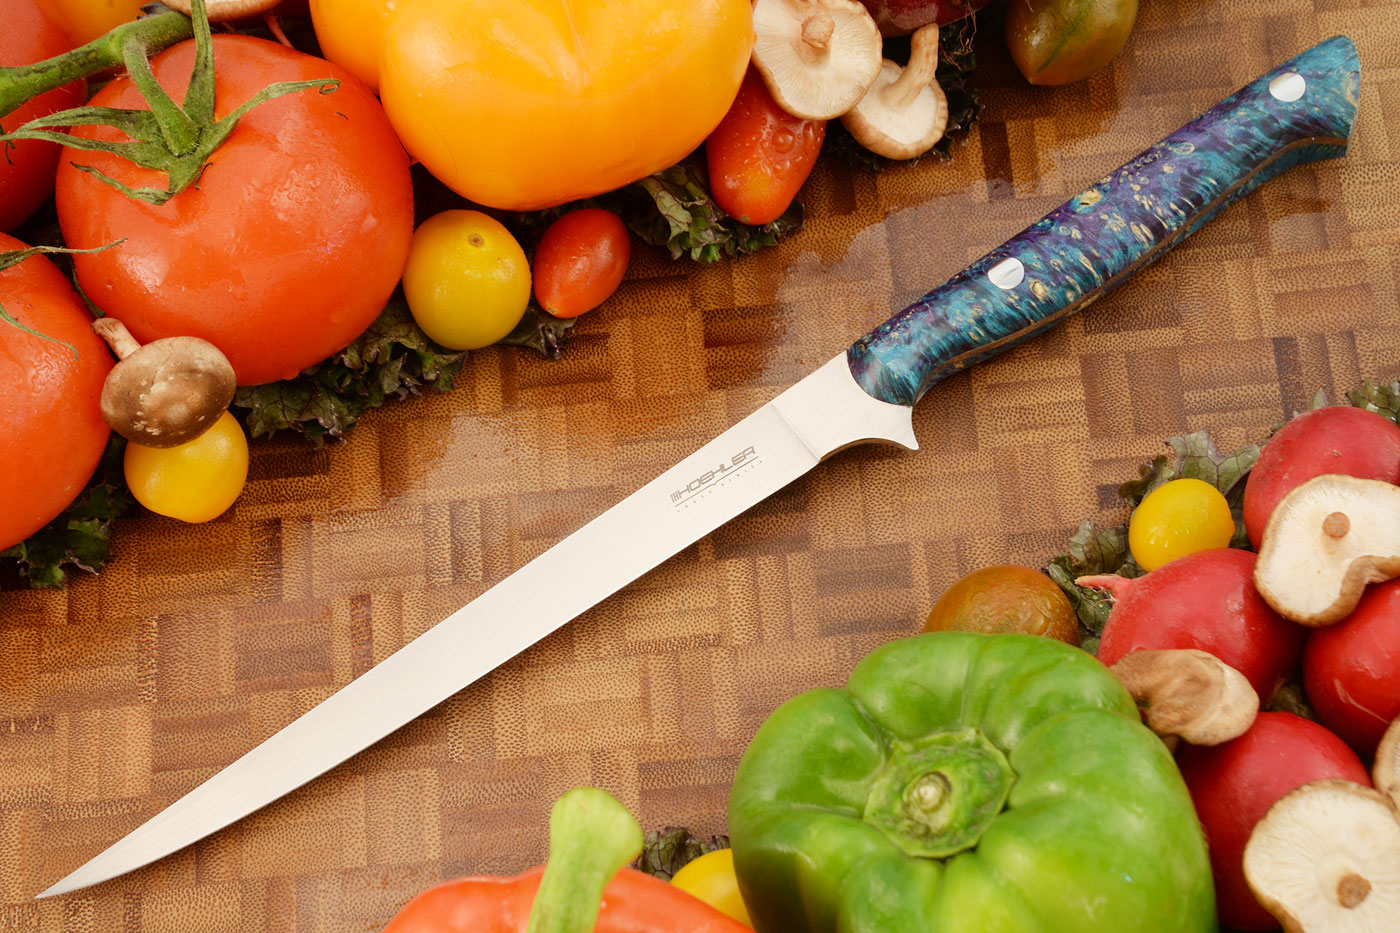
<point>712,478</point>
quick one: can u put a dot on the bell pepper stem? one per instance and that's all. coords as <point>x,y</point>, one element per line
<point>591,837</point>
<point>20,83</point>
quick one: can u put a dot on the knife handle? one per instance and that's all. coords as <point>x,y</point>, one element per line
<point>1300,112</point>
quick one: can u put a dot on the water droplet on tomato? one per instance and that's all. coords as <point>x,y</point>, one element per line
<point>784,140</point>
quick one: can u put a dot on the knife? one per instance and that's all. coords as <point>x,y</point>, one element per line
<point>1300,112</point>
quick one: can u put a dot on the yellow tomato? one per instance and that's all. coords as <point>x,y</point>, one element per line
<point>351,34</point>
<point>85,20</point>
<point>193,482</point>
<point>522,104</point>
<point>711,879</point>
<point>1179,518</point>
<point>467,280</point>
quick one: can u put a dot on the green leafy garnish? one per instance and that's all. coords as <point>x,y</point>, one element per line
<point>540,331</point>
<point>665,853</point>
<point>1382,399</point>
<point>392,359</point>
<point>81,536</point>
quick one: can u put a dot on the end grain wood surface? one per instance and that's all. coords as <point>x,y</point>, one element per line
<point>124,691</point>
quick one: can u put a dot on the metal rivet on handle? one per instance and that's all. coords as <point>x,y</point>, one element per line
<point>1288,87</point>
<point>1007,274</point>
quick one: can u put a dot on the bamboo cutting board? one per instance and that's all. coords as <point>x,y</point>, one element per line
<point>124,691</point>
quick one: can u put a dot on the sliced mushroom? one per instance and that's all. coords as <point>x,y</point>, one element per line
<point>1386,771</point>
<point>1324,542</point>
<point>165,393</point>
<point>905,111</point>
<point>1189,693</point>
<point>222,11</point>
<point>1326,857</point>
<point>816,56</point>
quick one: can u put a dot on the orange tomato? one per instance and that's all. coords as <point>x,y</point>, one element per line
<point>51,427</point>
<point>523,104</point>
<point>351,34</point>
<point>85,20</point>
<point>580,261</point>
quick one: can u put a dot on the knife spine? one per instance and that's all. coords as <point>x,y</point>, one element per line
<point>1094,241</point>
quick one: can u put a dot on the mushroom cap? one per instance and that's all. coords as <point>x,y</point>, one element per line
<point>896,131</point>
<point>1326,857</point>
<point>1324,542</point>
<point>168,392</point>
<point>222,11</point>
<point>816,56</point>
<point>1386,771</point>
<point>1188,693</point>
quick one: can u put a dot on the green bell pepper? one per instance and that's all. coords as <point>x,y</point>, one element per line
<point>969,783</point>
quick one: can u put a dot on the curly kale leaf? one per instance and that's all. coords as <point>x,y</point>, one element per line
<point>665,853</point>
<point>392,359</point>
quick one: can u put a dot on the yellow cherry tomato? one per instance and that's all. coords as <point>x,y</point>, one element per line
<point>351,34</point>
<point>193,482</point>
<point>467,281</point>
<point>1179,518</point>
<point>711,879</point>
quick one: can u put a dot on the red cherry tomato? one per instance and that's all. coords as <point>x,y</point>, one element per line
<point>291,242</point>
<point>51,427</point>
<point>27,169</point>
<point>1235,783</point>
<point>580,260</point>
<point>1351,670</point>
<point>760,154</point>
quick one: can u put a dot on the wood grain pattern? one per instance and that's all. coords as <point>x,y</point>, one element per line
<point>125,691</point>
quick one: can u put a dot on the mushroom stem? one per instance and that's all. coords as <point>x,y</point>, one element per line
<point>1336,525</point>
<point>117,336</point>
<point>1189,693</point>
<point>1352,890</point>
<point>817,30</point>
<point>918,74</point>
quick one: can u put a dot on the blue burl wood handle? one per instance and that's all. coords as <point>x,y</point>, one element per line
<point>1095,240</point>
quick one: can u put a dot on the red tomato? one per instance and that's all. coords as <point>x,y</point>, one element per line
<point>1234,784</point>
<point>26,171</point>
<point>579,261</point>
<point>52,428</point>
<point>1351,670</point>
<point>760,154</point>
<point>290,243</point>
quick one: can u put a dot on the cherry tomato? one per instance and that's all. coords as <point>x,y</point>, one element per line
<point>291,242</point>
<point>85,20</point>
<point>1351,670</point>
<point>351,34</point>
<point>27,169</point>
<point>580,260</point>
<point>711,879</point>
<point>51,427</point>
<point>760,155</point>
<point>1179,518</point>
<point>195,481</point>
<point>467,280</point>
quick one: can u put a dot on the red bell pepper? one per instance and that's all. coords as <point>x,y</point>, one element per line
<point>583,887</point>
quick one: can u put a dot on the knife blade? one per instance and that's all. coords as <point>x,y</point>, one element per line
<point>1300,112</point>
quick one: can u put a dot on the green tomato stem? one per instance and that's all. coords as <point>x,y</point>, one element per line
<point>591,837</point>
<point>21,83</point>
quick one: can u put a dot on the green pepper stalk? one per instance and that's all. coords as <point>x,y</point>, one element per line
<point>591,837</point>
<point>176,139</point>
